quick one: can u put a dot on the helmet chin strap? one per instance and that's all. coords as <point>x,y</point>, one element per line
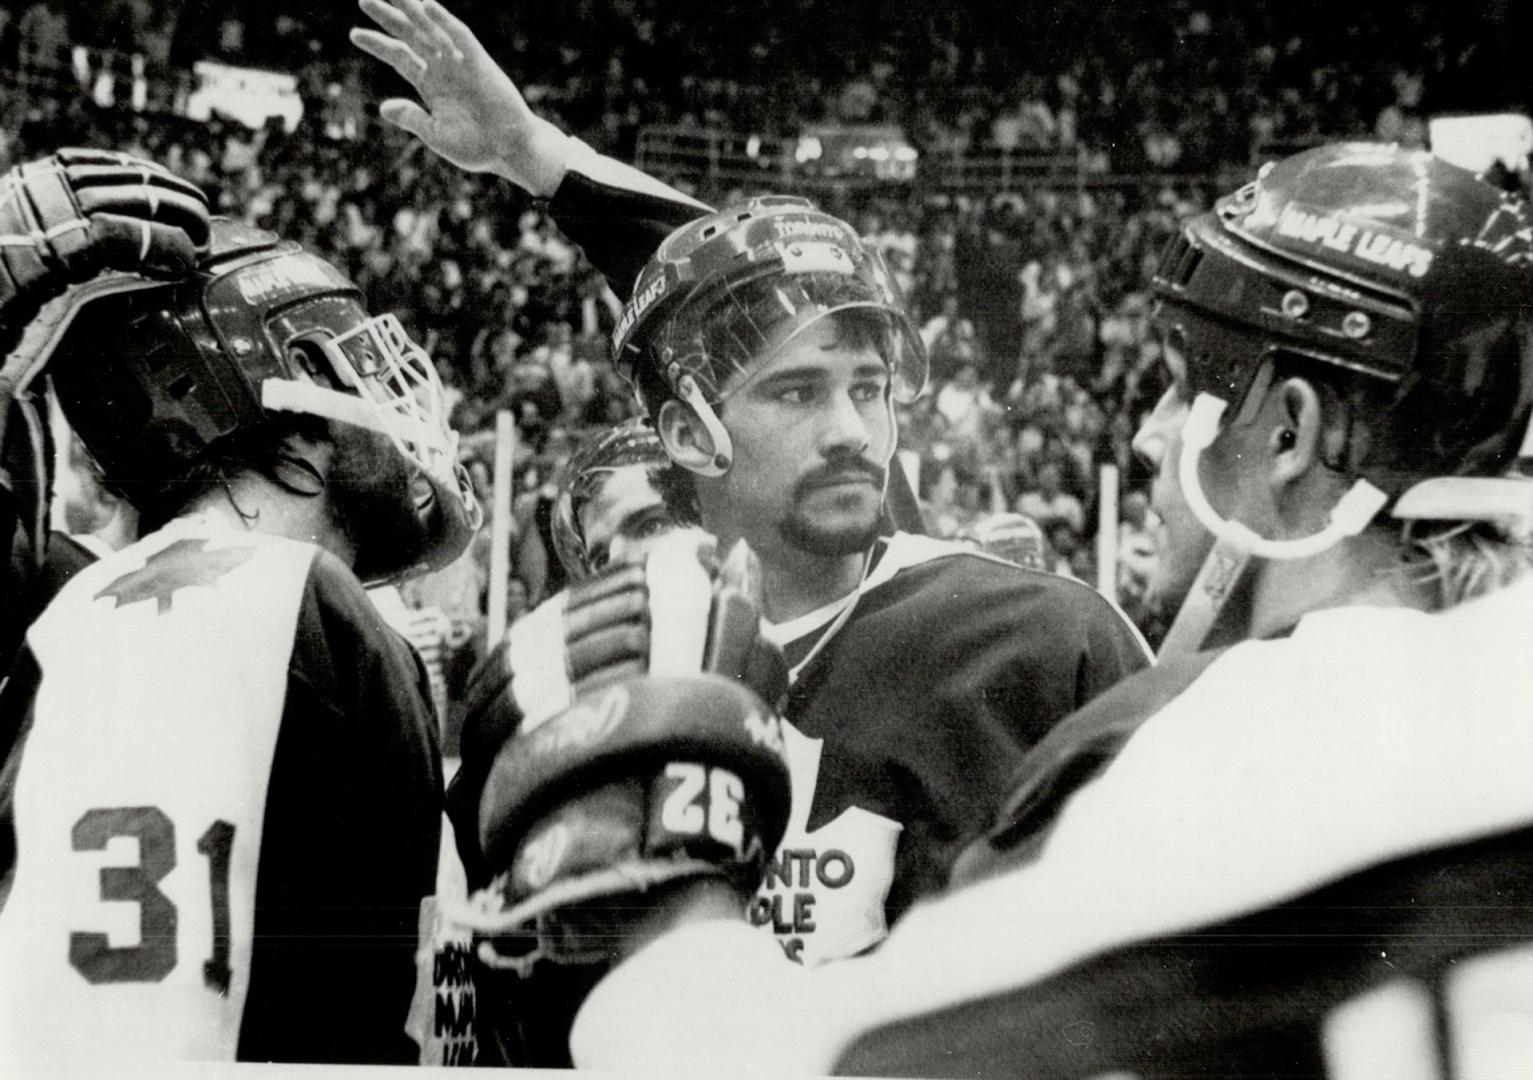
<point>1235,544</point>
<point>723,449</point>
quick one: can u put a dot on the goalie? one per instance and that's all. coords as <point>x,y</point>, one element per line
<point>221,782</point>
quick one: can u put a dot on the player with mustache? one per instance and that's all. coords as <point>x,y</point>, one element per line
<point>769,345</point>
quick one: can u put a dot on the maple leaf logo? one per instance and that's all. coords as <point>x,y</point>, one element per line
<point>181,565</point>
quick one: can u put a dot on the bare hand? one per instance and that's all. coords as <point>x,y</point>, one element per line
<point>470,112</point>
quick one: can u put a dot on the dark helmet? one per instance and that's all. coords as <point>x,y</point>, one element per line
<point>1411,274</point>
<point>726,290</point>
<point>628,444</point>
<point>153,374</point>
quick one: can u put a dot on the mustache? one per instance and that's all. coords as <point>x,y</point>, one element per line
<point>836,472</point>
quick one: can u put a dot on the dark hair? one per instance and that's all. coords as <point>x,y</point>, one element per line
<point>674,483</point>
<point>1448,561</point>
<point>736,328</point>
<point>158,499</point>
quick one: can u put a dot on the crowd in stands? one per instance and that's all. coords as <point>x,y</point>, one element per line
<point>1182,85</point>
<point>1032,301</point>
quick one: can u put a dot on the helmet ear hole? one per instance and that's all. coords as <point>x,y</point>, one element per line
<point>308,356</point>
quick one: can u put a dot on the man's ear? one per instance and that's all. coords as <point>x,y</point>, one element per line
<point>686,439</point>
<point>1296,437</point>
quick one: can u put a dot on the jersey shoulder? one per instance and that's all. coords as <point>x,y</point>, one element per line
<point>1371,973</point>
<point>1068,758</point>
<point>345,650</point>
<point>951,588</point>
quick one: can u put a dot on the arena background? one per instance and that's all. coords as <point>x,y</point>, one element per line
<point>1020,166</point>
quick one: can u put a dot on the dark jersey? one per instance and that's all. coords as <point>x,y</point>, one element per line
<point>234,703</point>
<point>617,214</point>
<point>924,702</point>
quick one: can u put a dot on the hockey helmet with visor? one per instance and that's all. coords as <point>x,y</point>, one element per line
<point>727,292</point>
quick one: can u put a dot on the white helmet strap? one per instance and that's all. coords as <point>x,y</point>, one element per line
<point>1236,544</point>
<point>723,448</point>
<point>1349,517</point>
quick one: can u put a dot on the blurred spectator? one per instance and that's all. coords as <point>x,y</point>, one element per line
<point>965,404</point>
<point>517,603</point>
<point>1014,537</point>
<point>1049,504</point>
<point>44,40</point>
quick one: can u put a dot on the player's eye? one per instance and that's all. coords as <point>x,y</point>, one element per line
<point>867,390</point>
<point>795,394</point>
<point>652,526</point>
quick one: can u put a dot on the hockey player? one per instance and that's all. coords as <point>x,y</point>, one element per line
<point>1302,854</point>
<point>608,504</point>
<point>768,345</point>
<point>226,791</point>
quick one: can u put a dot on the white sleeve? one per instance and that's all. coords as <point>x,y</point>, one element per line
<point>716,997</point>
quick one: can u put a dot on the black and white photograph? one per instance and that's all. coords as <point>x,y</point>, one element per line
<point>778,539</point>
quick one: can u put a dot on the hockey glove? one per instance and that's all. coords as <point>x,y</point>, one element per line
<point>681,613</point>
<point>587,819</point>
<point>65,218</point>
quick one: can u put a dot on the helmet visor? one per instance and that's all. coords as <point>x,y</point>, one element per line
<point>730,326</point>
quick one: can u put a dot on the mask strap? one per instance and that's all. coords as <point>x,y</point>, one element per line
<point>293,395</point>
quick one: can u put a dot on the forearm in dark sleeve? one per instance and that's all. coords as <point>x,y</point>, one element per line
<point>618,214</point>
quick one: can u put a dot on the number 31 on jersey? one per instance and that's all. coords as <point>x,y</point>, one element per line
<point>91,952</point>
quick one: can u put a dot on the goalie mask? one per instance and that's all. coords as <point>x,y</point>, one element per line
<point>1404,281</point>
<point>263,329</point>
<point>725,293</point>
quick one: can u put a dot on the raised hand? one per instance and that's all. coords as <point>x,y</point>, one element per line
<point>470,111</point>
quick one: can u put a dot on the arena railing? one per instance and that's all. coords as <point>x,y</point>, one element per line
<point>719,159</point>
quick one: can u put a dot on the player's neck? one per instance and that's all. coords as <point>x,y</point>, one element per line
<point>1364,571</point>
<point>795,583</point>
<point>252,502</point>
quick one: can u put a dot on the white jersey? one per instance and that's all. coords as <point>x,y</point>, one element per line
<point>141,798</point>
